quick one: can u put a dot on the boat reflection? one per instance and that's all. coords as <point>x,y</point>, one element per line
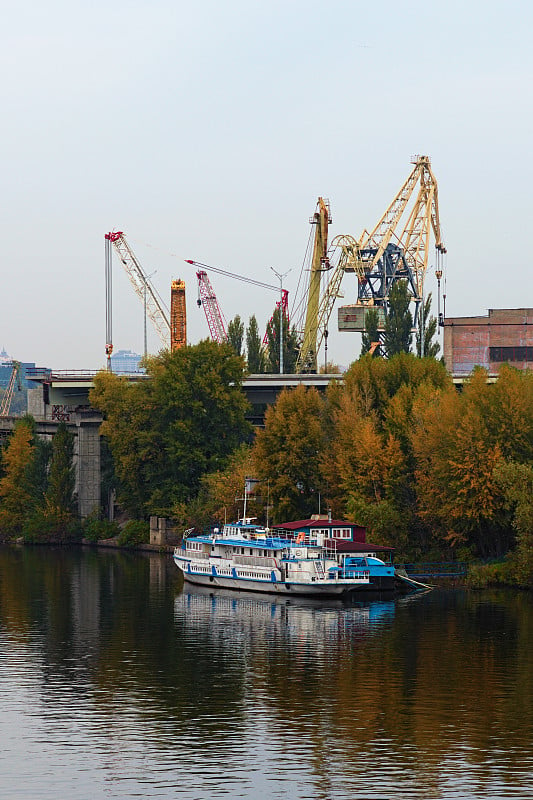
<point>320,618</point>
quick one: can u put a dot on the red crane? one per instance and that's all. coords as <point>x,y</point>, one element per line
<point>208,299</point>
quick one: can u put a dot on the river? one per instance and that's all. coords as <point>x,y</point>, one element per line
<point>116,682</point>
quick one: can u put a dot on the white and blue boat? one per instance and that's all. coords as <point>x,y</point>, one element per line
<point>286,560</point>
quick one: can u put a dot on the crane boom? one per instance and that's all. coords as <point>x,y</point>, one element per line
<point>207,298</point>
<point>142,285</point>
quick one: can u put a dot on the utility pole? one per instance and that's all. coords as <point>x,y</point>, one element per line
<point>280,277</point>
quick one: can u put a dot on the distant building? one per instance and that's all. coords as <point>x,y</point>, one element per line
<point>6,368</point>
<point>504,336</point>
<point>126,362</point>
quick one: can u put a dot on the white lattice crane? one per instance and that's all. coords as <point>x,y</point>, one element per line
<point>142,285</point>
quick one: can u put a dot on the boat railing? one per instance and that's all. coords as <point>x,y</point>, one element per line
<point>195,554</point>
<point>255,561</point>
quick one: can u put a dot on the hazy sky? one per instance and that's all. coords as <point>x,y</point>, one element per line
<point>207,130</point>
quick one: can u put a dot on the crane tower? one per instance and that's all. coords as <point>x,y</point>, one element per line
<point>178,316</point>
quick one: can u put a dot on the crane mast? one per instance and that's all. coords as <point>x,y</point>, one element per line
<point>178,316</point>
<point>307,358</point>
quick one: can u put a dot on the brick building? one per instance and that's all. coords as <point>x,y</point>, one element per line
<point>505,335</point>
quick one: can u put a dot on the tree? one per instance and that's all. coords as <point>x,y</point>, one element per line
<point>516,482</point>
<point>236,334</point>
<point>168,431</point>
<point>60,491</point>
<point>254,348</point>
<point>16,490</point>
<point>371,334</point>
<point>399,322</point>
<point>53,518</point>
<point>291,345</point>
<point>428,325</point>
<point>286,453</point>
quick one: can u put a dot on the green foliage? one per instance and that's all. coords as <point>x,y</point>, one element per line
<point>133,533</point>
<point>60,490</point>
<point>371,333</point>
<point>254,348</point>
<point>95,528</point>
<point>399,322</point>
<point>236,334</point>
<point>427,325</point>
<point>516,482</point>
<point>48,524</point>
<point>291,345</point>
<point>167,432</point>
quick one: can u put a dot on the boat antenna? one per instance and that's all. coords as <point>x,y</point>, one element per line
<point>245,496</point>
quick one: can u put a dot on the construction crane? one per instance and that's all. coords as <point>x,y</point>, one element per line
<point>171,331</point>
<point>387,254</point>
<point>396,249</point>
<point>207,298</point>
<point>14,378</point>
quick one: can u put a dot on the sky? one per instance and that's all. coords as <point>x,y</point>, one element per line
<point>208,130</point>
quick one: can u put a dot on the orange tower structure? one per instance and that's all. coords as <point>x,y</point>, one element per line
<point>178,315</point>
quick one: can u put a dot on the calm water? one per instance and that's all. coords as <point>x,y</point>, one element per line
<point>117,683</point>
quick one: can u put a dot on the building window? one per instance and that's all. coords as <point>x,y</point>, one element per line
<point>499,354</point>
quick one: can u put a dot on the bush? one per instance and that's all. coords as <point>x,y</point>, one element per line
<point>133,533</point>
<point>498,573</point>
<point>95,529</point>
<point>49,525</point>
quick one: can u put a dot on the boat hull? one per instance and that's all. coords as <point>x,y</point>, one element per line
<point>318,588</point>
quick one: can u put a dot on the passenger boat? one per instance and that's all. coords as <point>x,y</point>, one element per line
<point>287,560</point>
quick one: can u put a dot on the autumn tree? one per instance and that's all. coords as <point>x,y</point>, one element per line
<point>17,496</point>
<point>167,431</point>
<point>370,462</point>
<point>287,452</point>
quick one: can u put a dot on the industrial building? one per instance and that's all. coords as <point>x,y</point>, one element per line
<point>505,335</point>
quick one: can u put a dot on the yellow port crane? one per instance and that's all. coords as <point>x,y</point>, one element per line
<point>397,248</point>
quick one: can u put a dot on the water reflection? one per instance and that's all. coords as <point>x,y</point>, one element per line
<point>116,682</point>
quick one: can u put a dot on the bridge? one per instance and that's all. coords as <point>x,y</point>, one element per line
<point>63,396</point>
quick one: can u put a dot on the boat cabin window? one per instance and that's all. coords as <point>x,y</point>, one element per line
<point>194,545</point>
<point>319,531</point>
<point>341,533</point>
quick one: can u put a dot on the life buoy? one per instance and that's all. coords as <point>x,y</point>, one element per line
<point>298,553</point>
<point>300,539</point>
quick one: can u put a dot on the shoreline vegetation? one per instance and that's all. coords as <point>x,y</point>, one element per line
<point>437,473</point>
